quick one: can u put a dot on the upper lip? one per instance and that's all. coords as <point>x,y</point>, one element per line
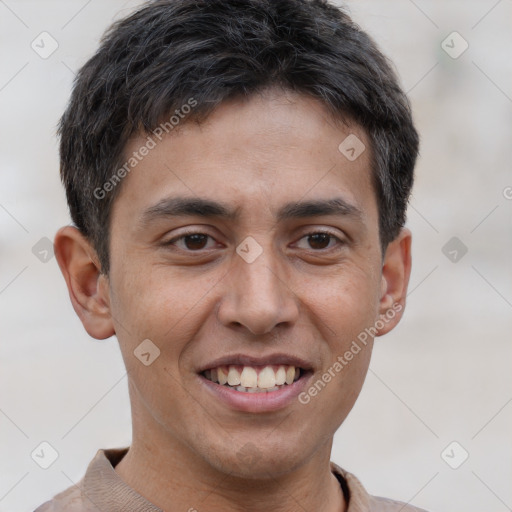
<point>248,360</point>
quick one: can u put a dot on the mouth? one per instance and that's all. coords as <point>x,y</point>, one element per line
<point>254,378</point>
<point>256,385</point>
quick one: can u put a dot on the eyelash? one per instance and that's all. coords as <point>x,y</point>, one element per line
<point>189,233</point>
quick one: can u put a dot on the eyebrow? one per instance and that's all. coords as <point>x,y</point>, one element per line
<point>200,207</point>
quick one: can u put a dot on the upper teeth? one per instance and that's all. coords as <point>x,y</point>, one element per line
<point>253,377</point>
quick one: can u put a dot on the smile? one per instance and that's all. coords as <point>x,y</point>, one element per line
<point>253,379</point>
<point>255,384</point>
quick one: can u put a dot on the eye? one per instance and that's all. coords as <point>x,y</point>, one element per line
<point>196,241</point>
<point>320,240</point>
<point>192,241</point>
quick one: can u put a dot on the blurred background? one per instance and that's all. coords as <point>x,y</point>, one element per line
<point>432,425</point>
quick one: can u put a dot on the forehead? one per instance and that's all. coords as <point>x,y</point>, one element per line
<point>255,157</point>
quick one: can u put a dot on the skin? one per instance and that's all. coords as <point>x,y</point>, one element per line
<point>197,302</point>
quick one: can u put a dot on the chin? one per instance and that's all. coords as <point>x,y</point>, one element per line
<point>259,462</point>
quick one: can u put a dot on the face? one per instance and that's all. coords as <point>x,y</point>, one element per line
<point>247,248</point>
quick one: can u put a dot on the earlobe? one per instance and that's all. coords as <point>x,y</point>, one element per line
<point>88,288</point>
<point>396,270</point>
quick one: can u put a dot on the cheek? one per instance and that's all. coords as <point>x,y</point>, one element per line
<point>150,306</point>
<point>156,303</point>
<point>342,305</point>
<point>341,309</point>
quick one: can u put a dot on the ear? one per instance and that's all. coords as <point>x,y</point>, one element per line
<point>396,270</point>
<point>88,288</point>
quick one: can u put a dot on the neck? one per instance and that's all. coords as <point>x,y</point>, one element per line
<point>173,477</point>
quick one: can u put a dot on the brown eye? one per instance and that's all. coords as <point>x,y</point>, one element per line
<point>196,241</point>
<point>191,242</point>
<point>320,240</point>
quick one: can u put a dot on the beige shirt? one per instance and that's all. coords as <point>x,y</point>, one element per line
<point>102,489</point>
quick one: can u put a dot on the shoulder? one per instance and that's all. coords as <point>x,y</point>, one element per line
<point>361,501</point>
<point>94,490</point>
<point>69,500</point>
<point>378,504</point>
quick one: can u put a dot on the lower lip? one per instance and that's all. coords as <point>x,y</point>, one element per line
<point>257,402</point>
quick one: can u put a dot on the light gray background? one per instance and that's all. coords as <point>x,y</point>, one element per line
<point>443,375</point>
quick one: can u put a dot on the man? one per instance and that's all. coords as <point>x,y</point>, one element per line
<point>238,173</point>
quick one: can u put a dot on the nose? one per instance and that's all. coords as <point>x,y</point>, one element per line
<point>258,295</point>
